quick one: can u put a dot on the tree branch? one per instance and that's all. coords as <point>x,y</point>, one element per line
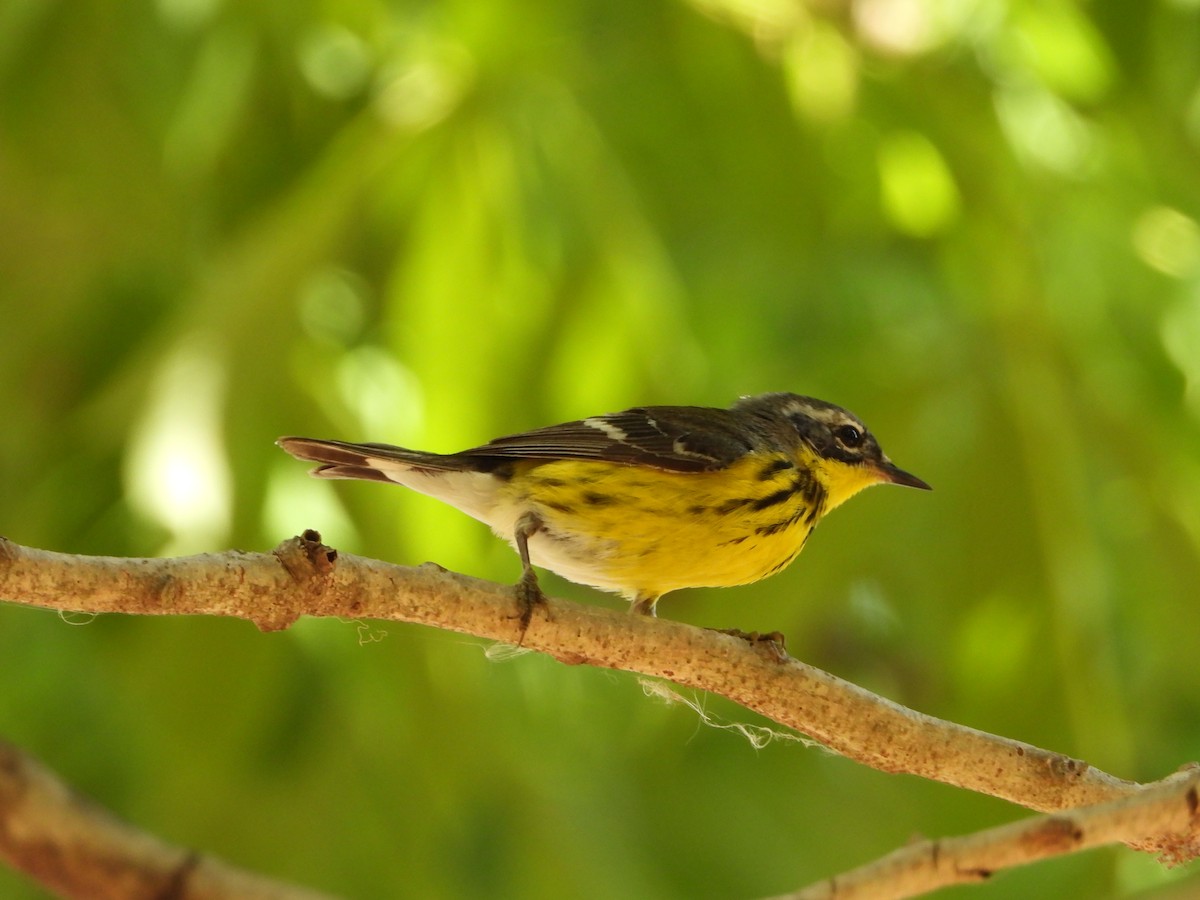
<point>75,848</point>
<point>304,577</point>
<point>1164,815</point>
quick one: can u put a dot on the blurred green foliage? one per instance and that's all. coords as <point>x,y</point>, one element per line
<point>974,223</point>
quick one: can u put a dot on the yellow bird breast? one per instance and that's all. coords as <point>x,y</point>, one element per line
<point>644,532</point>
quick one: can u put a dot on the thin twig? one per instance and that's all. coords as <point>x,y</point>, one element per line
<point>1164,816</point>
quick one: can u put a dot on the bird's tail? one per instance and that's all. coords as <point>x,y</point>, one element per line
<point>369,462</point>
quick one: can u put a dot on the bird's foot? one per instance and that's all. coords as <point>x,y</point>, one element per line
<point>529,597</point>
<point>772,642</point>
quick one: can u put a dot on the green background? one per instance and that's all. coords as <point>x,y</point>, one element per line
<point>973,223</point>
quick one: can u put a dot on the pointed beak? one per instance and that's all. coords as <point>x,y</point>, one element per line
<point>895,475</point>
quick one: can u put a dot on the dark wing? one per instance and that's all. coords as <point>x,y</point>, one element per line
<point>676,438</point>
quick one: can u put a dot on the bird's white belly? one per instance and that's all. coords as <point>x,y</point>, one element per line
<point>575,557</point>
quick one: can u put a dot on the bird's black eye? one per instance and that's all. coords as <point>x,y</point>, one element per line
<point>848,436</point>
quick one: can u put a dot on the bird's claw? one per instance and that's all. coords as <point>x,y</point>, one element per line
<point>529,597</point>
<point>773,642</point>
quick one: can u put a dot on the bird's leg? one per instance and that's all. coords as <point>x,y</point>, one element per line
<point>643,605</point>
<point>529,592</point>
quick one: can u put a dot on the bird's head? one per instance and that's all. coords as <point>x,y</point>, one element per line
<point>832,441</point>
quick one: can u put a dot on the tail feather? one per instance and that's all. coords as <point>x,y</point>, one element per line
<point>372,462</point>
<point>456,479</point>
<point>360,473</point>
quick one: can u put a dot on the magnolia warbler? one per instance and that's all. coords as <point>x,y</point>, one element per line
<point>649,500</point>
